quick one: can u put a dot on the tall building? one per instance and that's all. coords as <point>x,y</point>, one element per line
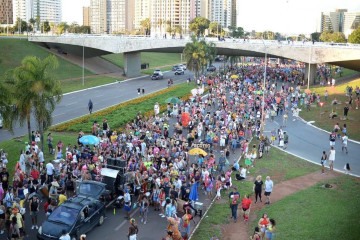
<point>44,10</point>
<point>111,16</point>
<point>340,21</point>
<point>98,16</point>
<point>6,12</point>
<point>86,16</point>
<point>142,12</point>
<point>223,12</point>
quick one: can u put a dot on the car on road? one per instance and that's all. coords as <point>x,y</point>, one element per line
<point>158,71</point>
<point>183,66</point>
<point>157,76</point>
<point>1,121</point>
<point>179,71</point>
<point>77,215</point>
<point>175,67</point>
<point>211,68</point>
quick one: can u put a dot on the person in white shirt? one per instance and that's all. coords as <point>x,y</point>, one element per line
<point>269,185</point>
<point>344,143</point>
<point>50,172</point>
<point>64,235</point>
<point>242,174</point>
<point>41,156</point>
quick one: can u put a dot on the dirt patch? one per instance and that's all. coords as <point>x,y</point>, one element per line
<point>240,230</point>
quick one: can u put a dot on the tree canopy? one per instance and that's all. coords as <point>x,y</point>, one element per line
<point>198,25</point>
<point>336,37</point>
<point>354,37</point>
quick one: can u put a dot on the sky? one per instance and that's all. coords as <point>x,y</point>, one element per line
<point>284,16</point>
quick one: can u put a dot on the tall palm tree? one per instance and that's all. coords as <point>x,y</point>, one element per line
<point>36,91</point>
<point>197,54</point>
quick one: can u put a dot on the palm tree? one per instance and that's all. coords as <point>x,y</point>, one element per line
<point>146,25</point>
<point>197,54</point>
<point>36,91</point>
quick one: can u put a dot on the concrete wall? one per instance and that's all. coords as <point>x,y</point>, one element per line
<point>132,64</point>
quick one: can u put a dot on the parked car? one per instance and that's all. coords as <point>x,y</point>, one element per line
<point>157,76</point>
<point>77,215</point>
<point>179,71</point>
<point>1,121</point>
<point>211,68</point>
<point>175,67</point>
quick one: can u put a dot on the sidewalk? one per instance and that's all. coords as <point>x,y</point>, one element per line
<point>240,230</point>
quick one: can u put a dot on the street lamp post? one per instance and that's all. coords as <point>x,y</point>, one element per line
<point>309,68</point>
<point>264,89</point>
<point>83,62</point>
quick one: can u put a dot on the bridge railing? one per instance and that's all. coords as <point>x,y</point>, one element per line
<point>215,40</point>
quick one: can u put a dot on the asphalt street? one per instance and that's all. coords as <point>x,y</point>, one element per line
<point>75,104</point>
<point>308,142</point>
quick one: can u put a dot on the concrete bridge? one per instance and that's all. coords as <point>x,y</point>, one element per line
<point>344,55</point>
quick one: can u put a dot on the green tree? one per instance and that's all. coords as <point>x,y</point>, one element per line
<point>32,22</point>
<point>178,30</point>
<point>214,28</point>
<point>236,32</point>
<point>315,36</point>
<point>335,37</point>
<point>36,91</point>
<point>198,25</point>
<point>354,37</point>
<point>20,25</point>
<point>62,27</point>
<point>146,25</point>
<point>197,54</point>
<point>46,26</point>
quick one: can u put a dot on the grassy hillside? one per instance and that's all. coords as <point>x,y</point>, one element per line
<point>14,50</point>
<point>163,61</point>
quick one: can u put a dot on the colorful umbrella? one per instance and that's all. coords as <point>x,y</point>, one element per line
<point>197,151</point>
<point>89,139</point>
<point>234,76</point>
<point>173,100</point>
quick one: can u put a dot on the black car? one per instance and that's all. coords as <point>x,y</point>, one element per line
<point>211,68</point>
<point>78,215</point>
<point>157,76</point>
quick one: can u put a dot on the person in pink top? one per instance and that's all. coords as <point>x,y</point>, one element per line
<point>2,193</point>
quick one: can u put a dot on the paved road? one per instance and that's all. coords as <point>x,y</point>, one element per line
<point>308,142</point>
<point>74,105</point>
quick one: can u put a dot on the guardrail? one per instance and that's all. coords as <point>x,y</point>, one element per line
<point>215,40</point>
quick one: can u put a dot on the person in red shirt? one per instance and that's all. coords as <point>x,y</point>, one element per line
<point>35,173</point>
<point>245,204</point>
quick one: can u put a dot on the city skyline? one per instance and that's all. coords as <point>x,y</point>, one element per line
<point>285,16</point>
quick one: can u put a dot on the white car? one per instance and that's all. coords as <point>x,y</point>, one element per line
<point>1,121</point>
<point>158,71</point>
<point>183,66</point>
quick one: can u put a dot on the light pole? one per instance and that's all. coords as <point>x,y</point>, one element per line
<point>264,89</point>
<point>309,68</point>
<point>83,62</point>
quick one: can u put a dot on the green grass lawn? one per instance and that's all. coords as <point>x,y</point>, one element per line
<point>70,85</point>
<point>14,146</point>
<point>318,213</point>
<point>163,61</point>
<point>321,115</point>
<point>14,50</point>
<point>279,165</point>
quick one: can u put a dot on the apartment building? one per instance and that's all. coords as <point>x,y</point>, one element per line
<point>6,12</point>
<point>340,21</point>
<point>86,16</point>
<point>142,12</point>
<point>222,12</point>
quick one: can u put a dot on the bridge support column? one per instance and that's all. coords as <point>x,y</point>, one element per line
<point>313,69</point>
<point>132,64</point>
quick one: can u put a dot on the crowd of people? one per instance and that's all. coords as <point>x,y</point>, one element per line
<point>160,173</point>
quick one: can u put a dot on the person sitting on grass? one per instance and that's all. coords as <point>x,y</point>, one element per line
<point>333,114</point>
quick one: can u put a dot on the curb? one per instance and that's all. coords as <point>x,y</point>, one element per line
<point>336,170</point>
<point>310,124</point>
<point>108,84</point>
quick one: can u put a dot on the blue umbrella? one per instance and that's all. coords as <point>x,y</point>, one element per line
<point>248,80</point>
<point>89,139</point>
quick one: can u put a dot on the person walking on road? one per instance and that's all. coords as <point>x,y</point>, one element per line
<point>269,185</point>
<point>332,138</point>
<point>331,158</point>
<point>257,188</point>
<point>323,162</point>
<point>133,230</point>
<point>34,209</point>
<point>234,198</point>
<point>245,205</point>
<point>344,143</point>
<point>286,140</point>
<point>90,106</point>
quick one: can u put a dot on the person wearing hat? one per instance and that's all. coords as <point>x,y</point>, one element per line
<point>64,235</point>
<point>53,194</point>
<point>133,230</point>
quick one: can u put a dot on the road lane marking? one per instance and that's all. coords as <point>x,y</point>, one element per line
<point>123,223</point>
<point>59,114</point>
